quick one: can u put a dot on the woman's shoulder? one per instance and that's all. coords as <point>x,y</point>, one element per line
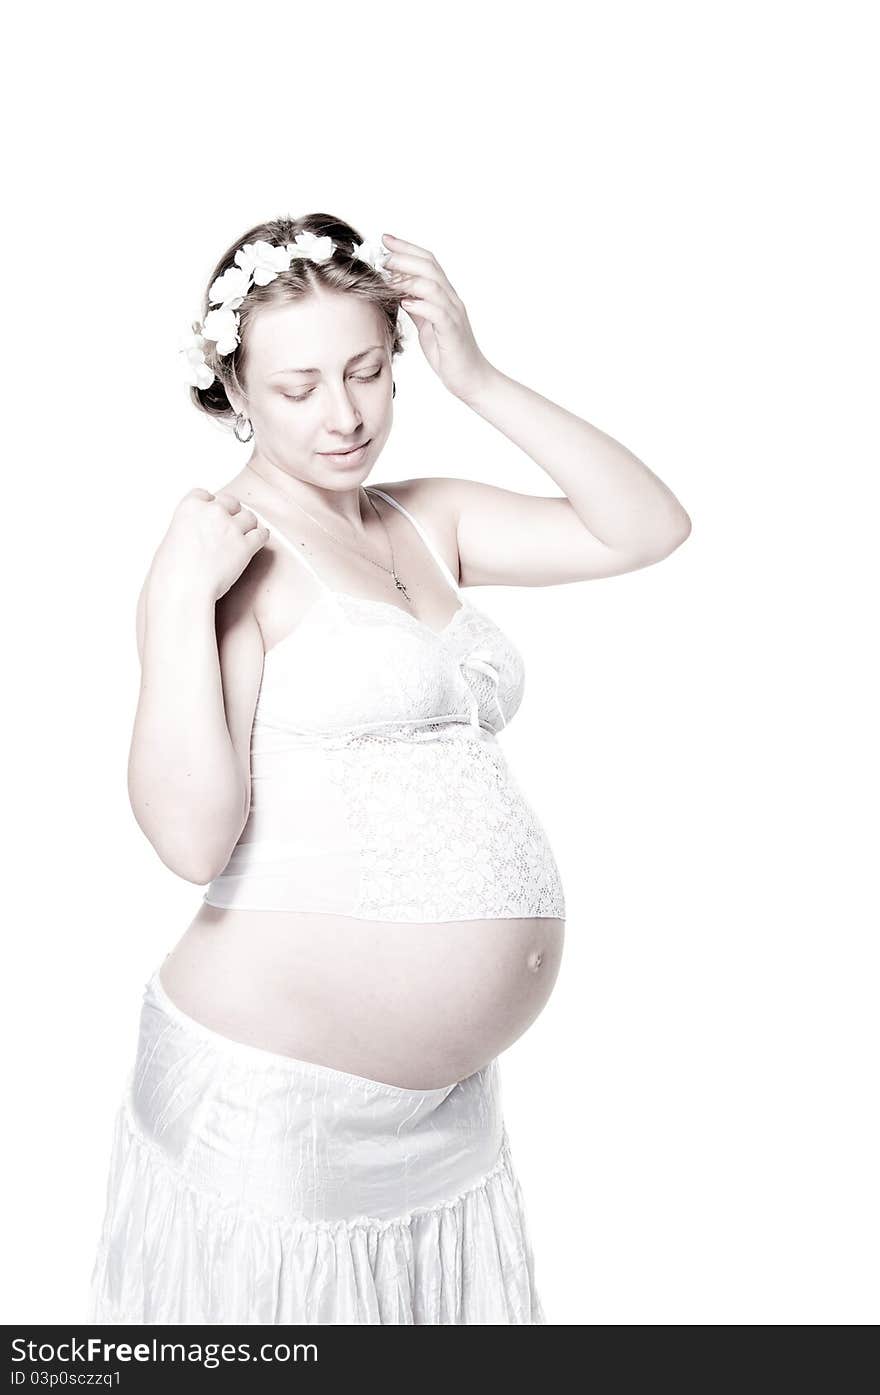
<point>431,500</point>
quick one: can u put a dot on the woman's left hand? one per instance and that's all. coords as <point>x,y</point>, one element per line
<point>445,333</point>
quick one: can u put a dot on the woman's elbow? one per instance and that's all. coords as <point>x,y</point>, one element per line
<point>195,863</point>
<point>673,539</point>
<point>198,871</point>
<point>193,847</point>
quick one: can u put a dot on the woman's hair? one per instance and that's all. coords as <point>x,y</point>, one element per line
<point>341,272</point>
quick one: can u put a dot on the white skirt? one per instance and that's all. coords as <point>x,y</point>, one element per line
<point>249,1187</point>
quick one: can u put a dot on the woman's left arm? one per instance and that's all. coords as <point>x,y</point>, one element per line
<point>615,516</point>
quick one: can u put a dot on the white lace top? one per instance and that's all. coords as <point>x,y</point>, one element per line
<point>378,788</point>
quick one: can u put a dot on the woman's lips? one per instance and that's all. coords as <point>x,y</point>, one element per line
<point>344,455</point>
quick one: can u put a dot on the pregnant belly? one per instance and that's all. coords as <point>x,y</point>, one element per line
<point>416,1005</point>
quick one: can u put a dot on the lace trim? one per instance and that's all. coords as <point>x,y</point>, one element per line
<point>444,831</point>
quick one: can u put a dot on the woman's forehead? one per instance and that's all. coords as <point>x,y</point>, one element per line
<point>313,333</point>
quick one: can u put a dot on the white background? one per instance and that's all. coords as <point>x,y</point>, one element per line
<point>659,217</point>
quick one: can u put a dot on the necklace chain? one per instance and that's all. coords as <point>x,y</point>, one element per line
<point>391,570</point>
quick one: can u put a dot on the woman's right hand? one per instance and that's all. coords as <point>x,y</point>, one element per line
<point>209,542</point>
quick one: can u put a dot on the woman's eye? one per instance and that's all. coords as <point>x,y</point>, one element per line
<point>303,395</point>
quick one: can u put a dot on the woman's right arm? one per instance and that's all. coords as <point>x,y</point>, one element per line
<point>201,656</point>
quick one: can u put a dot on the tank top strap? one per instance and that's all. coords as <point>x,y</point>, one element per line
<point>291,547</point>
<point>374,489</point>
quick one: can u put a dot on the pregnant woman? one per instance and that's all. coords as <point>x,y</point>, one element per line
<point>312,1129</point>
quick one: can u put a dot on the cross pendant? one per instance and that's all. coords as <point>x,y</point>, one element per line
<point>400,586</point>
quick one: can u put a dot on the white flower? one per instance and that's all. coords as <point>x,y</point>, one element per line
<point>262,260</point>
<point>192,357</point>
<point>375,254</point>
<point>221,326</point>
<point>230,289</point>
<point>307,244</point>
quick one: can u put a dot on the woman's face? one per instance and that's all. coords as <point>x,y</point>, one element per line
<point>343,400</point>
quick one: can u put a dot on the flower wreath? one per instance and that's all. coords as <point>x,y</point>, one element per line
<point>256,264</point>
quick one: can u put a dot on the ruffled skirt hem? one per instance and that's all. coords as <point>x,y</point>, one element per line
<point>174,1252</point>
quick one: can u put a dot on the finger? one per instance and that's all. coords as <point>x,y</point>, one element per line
<point>257,537</point>
<point>427,310</point>
<point>407,265</point>
<point>399,244</point>
<point>245,518</point>
<point>450,309</point>
<point>405,254</point>
<point>418,266</point>
<point>417,286</point>
<point>229,501</point>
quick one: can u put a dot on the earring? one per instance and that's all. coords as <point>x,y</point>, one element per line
<point>238,420</point>
<point>393,388</point>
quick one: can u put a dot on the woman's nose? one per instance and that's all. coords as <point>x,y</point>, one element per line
<point>343,414</point>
